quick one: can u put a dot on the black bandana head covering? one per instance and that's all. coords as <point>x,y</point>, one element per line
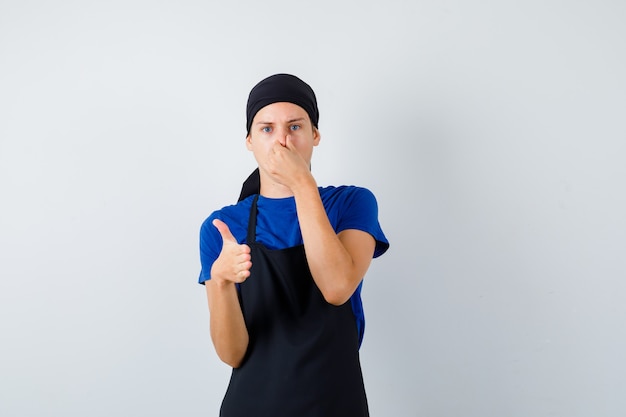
<point>281,88</point>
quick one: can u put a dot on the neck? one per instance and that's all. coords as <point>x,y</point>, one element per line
<point>272,189</point>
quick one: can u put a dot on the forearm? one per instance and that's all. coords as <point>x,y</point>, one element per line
<point>331,264</point>
<point>228,329</point>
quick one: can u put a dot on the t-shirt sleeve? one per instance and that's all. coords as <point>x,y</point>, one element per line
<point>210,247</point>
<point>360,212</point>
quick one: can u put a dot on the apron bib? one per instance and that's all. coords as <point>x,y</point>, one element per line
<point>303,353</point>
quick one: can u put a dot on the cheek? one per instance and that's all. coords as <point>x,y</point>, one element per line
<point>300,137</point>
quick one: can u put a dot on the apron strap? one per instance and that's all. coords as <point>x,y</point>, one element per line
<point>251,237</point>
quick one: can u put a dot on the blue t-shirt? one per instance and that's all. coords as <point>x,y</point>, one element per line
<point>347,207</point>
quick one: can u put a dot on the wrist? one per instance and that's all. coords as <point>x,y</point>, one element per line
<point>305,184</point>
<point>221,283</point>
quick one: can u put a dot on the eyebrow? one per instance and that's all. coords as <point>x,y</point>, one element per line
<point>299,119</point>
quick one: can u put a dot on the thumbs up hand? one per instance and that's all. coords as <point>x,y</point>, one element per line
<point>234,263</point>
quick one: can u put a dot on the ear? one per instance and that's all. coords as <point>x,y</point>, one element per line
<point>249,142</point>
<point>316,136</point>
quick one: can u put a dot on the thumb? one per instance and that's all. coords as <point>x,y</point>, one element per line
<point>224,231</point>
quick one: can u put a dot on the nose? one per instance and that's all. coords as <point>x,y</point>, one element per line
<point>282,135</point>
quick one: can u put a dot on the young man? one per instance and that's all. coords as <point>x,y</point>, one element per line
<point>283,270</point>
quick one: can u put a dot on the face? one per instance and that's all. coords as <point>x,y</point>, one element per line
<point>274,123</point>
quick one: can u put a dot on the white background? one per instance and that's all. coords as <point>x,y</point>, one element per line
<point>492,133</point>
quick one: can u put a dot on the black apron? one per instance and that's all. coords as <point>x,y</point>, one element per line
<point>303,353</point>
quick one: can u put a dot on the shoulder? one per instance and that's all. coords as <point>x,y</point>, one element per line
<point>345,192</point>
<point>354,207</point>
<point>235,216</point>
<point>348,197</point>
<point>346,204</point>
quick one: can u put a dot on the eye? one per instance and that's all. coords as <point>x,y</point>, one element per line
<point>294,127</point>
<point>266,129</point>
